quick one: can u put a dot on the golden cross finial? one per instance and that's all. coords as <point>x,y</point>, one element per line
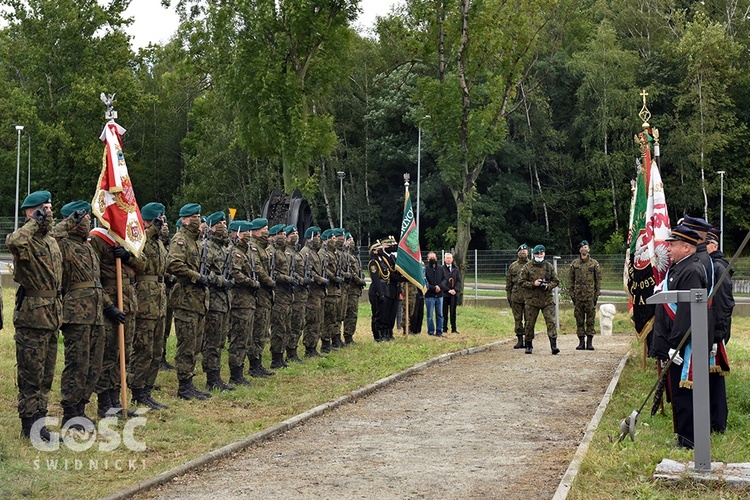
<point>644,94</point>
<point>645,114</point>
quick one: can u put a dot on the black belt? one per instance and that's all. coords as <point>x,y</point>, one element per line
<point>149,277</point>
<point>47,294</point>
<point>113,282</point>
<point>84,284</point>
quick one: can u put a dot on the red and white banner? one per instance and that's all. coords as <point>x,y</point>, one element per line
<point>114,203</point>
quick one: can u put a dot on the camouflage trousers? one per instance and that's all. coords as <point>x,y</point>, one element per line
<point>148,345</point>
<point>84,349</point>
<point>260,333</point>
<point>331,317</point>
<point>350,313</point>
<point>214,338</point>
<point>299,313</point>
<point>281,321</point>
<point>110,374</point>
<point>313,317</point>
<point>188,328</point>
<point>585,314</point>
<point>240,335</point>
<point>519,315</point>
<point>167,327</point>
<point>36,354</point>
<point>532,313</point>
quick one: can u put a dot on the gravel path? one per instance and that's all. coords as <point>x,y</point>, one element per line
<point>495,424</point>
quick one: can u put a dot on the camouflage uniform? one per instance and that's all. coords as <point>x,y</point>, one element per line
<point>82,318</point>
<point>332,304</point>
<point>148,344</point>
<point>584,286</point>
<point>189,300</point>
<point>37,263</point>
<point>169,282</point>
<point>242,309</point>
<point>299,304</point>
<point>516,293</point>
<point>355,285</point>
<point>282,305</point>
<point>316,298</point>
<point>539,298</point>
<point>261,333</point>
<point>218,317</point>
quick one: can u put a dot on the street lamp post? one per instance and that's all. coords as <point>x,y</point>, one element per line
<point>19,129</point>
<point>419,162</point>
<point>28,177</point>
<point>721,212</point>
<point>342,176</point>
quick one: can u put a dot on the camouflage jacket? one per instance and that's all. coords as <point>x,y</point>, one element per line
<point>282,257</point>
<point>585,280</point>
<point>245,287</point>
<point>331,259</point>
<point>312,259</point>
<point>513,289</point>
<point>149,282</point>
<point>354,271</point>
<point>108,273</point>
<point>183,261</point>
<point>37,264</point>
<point>218,249</point>
<point>83,296</point>
<point>539,296</point>
<point>262,260</point>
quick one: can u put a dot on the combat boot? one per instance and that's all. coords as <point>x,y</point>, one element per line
<point>200,395</point>
<point>81,409</point>
<point>214,382</point>
<point>257,370</point>
<point>277,360</point>
<point>236,375</point>
<point>26,423</point>
<point>348,341</point>
<point>104,403</point>
<point>589,342</point>
<point>519,344</point>
<point>336,342</point>
<point>311,352</point>
<point>376,334</point>
<point>553,345</point>
<point>70,411</point>
<point>161,406</point>
<point>529,346</point>
<point>325,346</point>
<point>291,355</point>
<point>165,365</point>
<point>43,431</point>
<point>184,392</point>
<point>581,343</point>
<point>140,396</point>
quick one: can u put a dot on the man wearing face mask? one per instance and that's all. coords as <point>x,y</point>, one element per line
<point>283,296</point>
<point>316,284</point>
<point>37,264</point>
<point>354,290</point>
<point>217,317</point>
<point>584,287</point>
<point>516,294</point>
<point>299,297</point>
<point>433,298</point>
<point>333,291</point>
<point>261,333</point>
<point>244,301</point>
<point>539,278</point>
<point>189,299</point>
<point>148,342</point>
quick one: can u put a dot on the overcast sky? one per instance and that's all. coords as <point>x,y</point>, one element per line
<point>156,24</point>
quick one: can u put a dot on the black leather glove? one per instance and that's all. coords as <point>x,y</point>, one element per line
<point>202,281</point>
<point>40,215</point>
<point>120,252</point>
<point>114,314</point>
<point>78,216</point>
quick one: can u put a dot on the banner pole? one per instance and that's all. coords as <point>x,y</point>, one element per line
<point>406,311</point>
<point>121,340</point>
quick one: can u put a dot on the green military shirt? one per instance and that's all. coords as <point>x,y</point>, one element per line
<point>218,250</point>
<point>585,279</point>
<point>150,286</point>
<point>183,261</point>
<point>329,255</point>
<point>245,284</point>
<point>513,289</point>
<point>539,296</point>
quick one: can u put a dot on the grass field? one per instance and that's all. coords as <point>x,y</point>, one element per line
<point>190,429</point>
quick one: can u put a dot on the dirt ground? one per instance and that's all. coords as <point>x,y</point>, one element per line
<point>496,424</point>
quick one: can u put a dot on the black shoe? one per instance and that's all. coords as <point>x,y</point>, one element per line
<point>104,404</point>
<point>184,392</point>
<point>165,365</point>
<point>311,352</point>
<point>519,344</point>
<point>529,347</point>
<point>257,370</point>
<point>438,334</point>
<point>277,360</point>
<point>200,395</point>
<point>161,406</point>
<point>237,376</point>
<point>291,356</point>
<point>140,396</point>
<point>325,346</point>
<point>581,343</point>
<point>454,331</point>
<point>350,341</point>
<point>589,342</point>
<point>553,345</point>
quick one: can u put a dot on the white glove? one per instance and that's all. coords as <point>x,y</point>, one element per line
<point>714,350</point>
<point>677,358</point>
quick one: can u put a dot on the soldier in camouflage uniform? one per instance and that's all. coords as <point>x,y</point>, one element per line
<point>283,295</point>
<point>218,317</point>
<point>300,295</point>
<point>317,284</point>
<point>189,299</point>
<point>332,302</point>
<point>261,333</point>
<point>244,301</point>
<point>516,293</point>
<point>148,344</point>
<point>169,281</point>
<point>354,286</point>
<point>83,303</point>
<point>539,278</point>
<point>341,273</point>
<point>584,286</point>
<point>37,263</point>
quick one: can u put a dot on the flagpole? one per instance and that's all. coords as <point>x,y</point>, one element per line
<point>121,341</point>
<point>406,285</point>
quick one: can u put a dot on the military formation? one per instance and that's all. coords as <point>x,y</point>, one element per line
<point>238,286</point>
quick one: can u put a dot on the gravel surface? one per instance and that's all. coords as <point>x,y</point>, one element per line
<point>495,424</point>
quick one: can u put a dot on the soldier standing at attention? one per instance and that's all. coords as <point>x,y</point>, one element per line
<point>316,283</point>
<point>584,286</point>
<point>281,309</point>
<point>189,299</point>
<point>516,293</point>
<point>375,293</point>
<point>218,317</point>
<point>392,288</point>
<point>263,268</point>
<point>83,303</point>
<point>37,264</point>
<point>342,277</point>
<point>354,290</point>
<point>333,291</point>
<point>300,295</point>
<point>244,301</point>
<point>539,278</point>
<point>169,281</point>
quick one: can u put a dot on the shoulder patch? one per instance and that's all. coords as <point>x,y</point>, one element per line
<point>180,242</point>
<point>238,255</point>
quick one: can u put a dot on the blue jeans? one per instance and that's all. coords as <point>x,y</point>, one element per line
<point>434,306</point>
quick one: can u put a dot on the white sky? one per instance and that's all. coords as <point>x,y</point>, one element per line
<point>155,24</point>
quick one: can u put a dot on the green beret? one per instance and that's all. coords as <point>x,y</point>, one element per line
<point>339,231</point>
<point>276,229</point>
<point>347,236</point>
<point>239,225</point>
<point>583,243</point>
<point>258,224</point>
<point>290,229</point>
<point>37,198</point>
<point>151,211</point>
<point>522,246</point>
<point>178,223</point>
<point>190,209</point>
<point>312,231</point>
<point>326,234</point>
<point>215,218</point>
<point>71,207</point>
<point>538,249</point>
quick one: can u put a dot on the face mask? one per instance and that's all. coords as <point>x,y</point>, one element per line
<point>538,259</point>
<point>433,262</point>
<point>293,239</point>
<point>220,230</point>
<point>195,223</point>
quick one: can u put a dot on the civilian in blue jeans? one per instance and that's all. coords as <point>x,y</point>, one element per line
<point>433,298</point>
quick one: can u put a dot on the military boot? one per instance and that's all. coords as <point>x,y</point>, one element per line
<point>257,370</point>
<point>581,343</point>
<point>214,382</point>
<point>140,396</point>
<point>325,346</point>
<point>519,344</point>
<point>200,395</point>
<point>336,342</point>
<point>236,375</point>
<point>376,335</point>
<point>348,340</point>
<point>291,355</point>
<point>165,365</point>
<point>277,360</point>
<point>70,411</point>
<point>589,342</point>
<point>104,403</point>
<point>81,409</point>
<point>28,422</point>
<point>529,346</point>
<point>161,406</point>
<point>43,431</point>
<point>184,392</point>
<point>553,345</point>
<point>311,352</point>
